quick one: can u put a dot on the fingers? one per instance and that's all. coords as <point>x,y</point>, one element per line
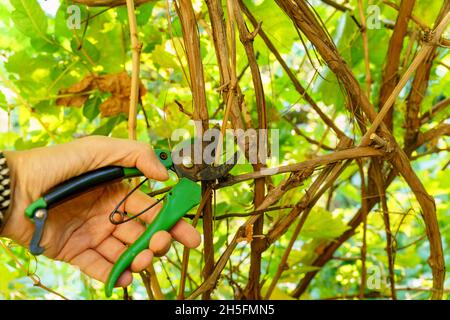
<point>183,232</point>
<point>186,234</point>
<point>139,201</point>
<point>111,249</point>
<point>142,260</point>
<point>160,243</point>
<point>127,153</point>
<point>96,266</point>
<point>129,232</point>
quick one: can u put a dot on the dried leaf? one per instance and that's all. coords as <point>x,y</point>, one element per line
<point>119,85</point>
<point>113,106</point>
<point>248,234</point>
<point>73,101</point>
<point>76,98</point>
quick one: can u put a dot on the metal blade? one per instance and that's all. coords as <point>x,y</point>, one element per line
<point>211,173</point>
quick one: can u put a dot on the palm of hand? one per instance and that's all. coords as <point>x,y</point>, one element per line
<point>79,232</point>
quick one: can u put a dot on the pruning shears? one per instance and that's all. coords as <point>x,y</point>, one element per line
<point>181,198</point>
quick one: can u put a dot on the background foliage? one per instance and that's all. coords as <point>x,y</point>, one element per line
<point>40,57</point>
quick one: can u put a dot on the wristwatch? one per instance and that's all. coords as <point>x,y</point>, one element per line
<point>5,189</point>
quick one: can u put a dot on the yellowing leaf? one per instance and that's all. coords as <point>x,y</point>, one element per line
<point>276,294</point>
<point>321,224</point>
<point>29,18</point>
<point>163,58</point>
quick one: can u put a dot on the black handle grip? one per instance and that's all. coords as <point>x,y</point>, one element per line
<point>82,183</point>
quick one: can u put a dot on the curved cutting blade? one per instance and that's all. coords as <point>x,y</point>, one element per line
<point>206,172</point>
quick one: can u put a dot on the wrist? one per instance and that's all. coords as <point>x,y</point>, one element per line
<point>5,190</point>
<point>16,226</point>
<point>11,163</point>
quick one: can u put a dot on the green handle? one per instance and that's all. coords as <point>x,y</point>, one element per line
<point>183,197</point>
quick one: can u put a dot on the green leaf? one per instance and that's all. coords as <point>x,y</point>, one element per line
<point>61,29</point>
<point>2,98</point>
<point>328,84</point>
<point>29,18</point>
<point>22,144</point>
<point>8,139</point>
<point>8,275</point>
<point>45,107</point>
<point>91,109</point>
<point>322,225</point>
<point>87,50</point>
<point>220,242</point>
<point>17,63</point>
<point>122,14</point>
<point>164,59</point>
<point>106,128</point>
<point>112,58</point>
<point>344,35</point>
<point>144,12</point>
<point>276,24</point>
<point>177,29</point>
<point>276,294</point>
<point>25,65</point>
<point>43,45</point>
<point>293,273</point>
<point>153,38</point>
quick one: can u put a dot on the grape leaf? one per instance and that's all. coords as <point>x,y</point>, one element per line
<point>30,19</point>
<point>322,225</point>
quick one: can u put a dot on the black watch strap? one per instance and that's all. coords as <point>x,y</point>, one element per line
<point>5,189</point>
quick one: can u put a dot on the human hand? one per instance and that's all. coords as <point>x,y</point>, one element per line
<point>79,231</point>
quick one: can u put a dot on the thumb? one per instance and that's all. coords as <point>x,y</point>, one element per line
<point>126,153</point>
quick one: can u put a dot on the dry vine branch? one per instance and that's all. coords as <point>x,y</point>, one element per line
<point>136,52</point>
<point>366,47</point>
<point>391,69</point>
<point>440,130</point>
<point>205,199</point>
<point>416,20</point>
<point>364,211</point>
<point>300,12</point>
<point>186,14</point>
<point>420,85</point>
<point>36,281</point>
<point>329,166</point>
<point>308,200</point>
<point>300,89</point>
<point>378,177</point>
<point>283,262</point>
<point>323,182</point>
<point>252,291</point>
<point>440,106</point>
<point>350,153</point>
<point>425,52</point>
<point>150,281</point>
